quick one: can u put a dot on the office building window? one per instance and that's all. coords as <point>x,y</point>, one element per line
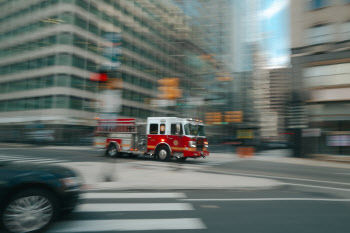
<point>317,4</point>
<point>345,29</point>
<point>320,34</point>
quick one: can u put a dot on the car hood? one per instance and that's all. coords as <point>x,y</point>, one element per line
<point>21,168</point>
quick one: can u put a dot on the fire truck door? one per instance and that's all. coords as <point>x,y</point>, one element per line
<point>176,139</point>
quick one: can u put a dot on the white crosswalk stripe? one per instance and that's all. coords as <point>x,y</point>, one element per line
<point>129,225</point>
<point>133,207</point>
<point>24,159</point>
<point>131,195</point>
<point>165,218</point>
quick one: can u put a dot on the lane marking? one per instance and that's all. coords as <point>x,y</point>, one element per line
<point>321,187</point>
<point>168,166</point>
<point>210,206</point>
<point>53,161</point>
<point>23,160</point>
<point>272,199</point>
<point>10,159</point>
<point>132,195</point>
<point>13,157</point>
<point>343,173</point>
<point>133,207</point>
<point>39,161</point>
<point>22,157</point>
<point>128,225</point>
<point>285,178</point>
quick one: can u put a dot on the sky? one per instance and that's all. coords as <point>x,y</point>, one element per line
<point>274,24</point>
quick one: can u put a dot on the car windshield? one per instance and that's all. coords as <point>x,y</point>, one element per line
<point>195,130</point>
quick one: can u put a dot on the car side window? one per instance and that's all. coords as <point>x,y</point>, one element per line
<point>153,129</point>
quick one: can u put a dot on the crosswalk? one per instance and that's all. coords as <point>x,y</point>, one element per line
<point>130,211</point>
<point>29,159</point>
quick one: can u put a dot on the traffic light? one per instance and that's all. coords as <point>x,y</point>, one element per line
<point>99,77</point>
<point>169,88</point>
<point>213,117</point>
<point>105,82</point>
<point>224,79</point>
<point>234,116</point>
<point>114,83</point>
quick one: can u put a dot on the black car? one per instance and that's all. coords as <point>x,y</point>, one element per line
<point>34,195</point>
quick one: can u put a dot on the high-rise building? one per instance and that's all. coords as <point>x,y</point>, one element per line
<point>279,88</point>
<point>211,24</point>
<point>50,48</point>
<point>320,34</point>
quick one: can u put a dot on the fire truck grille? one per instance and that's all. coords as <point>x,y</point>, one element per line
<point>200,144</point>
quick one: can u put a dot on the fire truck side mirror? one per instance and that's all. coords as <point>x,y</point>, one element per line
<point>178,129</point>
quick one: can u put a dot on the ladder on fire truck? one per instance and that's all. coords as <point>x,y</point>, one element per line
<point>107,126</point>
<point>124,135</point>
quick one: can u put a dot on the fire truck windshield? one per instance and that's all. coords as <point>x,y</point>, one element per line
<point>194,130</point>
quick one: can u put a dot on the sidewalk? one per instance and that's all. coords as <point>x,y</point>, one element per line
<point>124,176</point>
<point>326,161</point>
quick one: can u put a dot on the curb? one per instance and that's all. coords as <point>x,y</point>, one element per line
<point>330,158</point>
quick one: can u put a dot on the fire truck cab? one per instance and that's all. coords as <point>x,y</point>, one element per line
<point>161,137</point>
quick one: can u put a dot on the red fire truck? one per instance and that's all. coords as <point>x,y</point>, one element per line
<point>161,137</point>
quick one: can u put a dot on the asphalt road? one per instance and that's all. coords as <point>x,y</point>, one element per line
<point>313,199</point>
<point>287,210</point>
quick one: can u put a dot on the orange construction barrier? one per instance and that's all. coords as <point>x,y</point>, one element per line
<point>245,152</point>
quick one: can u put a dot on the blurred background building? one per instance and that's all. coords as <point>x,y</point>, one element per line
<point>223,61</point>
<point>51,48</point>
<point>320,42</point>
<point>279,88</point>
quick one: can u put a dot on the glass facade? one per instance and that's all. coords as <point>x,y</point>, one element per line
<point>317,4</point>
<point>29,45</point>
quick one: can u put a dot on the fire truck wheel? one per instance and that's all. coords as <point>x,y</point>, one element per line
<point>163,154</point>
<point>112,150</point>
<point>133,155</point>
<point>182,159</point>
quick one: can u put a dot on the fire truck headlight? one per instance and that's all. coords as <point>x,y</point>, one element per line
<point>206,144</point>
<point>192,144</point>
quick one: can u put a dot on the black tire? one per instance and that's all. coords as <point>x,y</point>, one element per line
<point>112,150</point>
<point>32,220</point>
<point>133,156</point>
<point>163,154</point>
<point>66,212</point>
<point>182,159</point>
